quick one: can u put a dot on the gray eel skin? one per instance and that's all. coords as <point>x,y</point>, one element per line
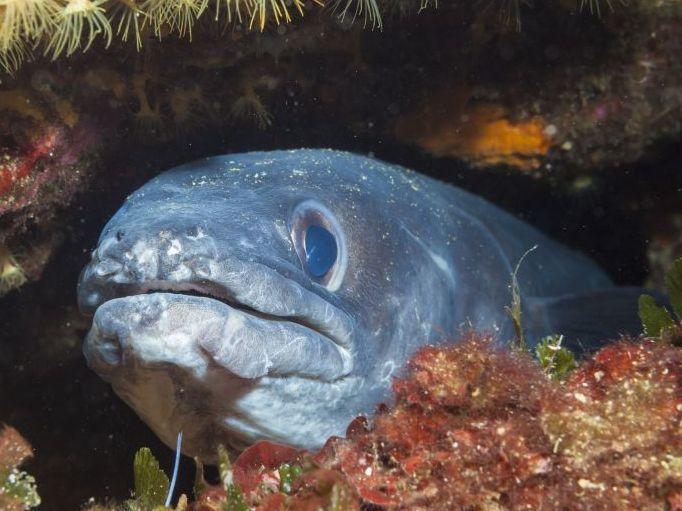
<point>208,320</point>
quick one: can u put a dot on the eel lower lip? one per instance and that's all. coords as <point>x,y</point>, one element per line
<point>181,329</point>
<point>251,286</point>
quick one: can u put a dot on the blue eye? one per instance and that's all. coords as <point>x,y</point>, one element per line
<point>320,250</point>
<point>320,243</point>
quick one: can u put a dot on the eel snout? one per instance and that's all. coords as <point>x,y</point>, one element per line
<point>191,332</point>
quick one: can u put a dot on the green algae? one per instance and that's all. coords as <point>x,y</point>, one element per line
<point>657,320</point>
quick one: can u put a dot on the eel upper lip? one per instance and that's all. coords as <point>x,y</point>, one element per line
<point>251,287</point>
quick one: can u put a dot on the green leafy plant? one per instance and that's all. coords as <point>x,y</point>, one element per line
<point>555,360</point>
<point>18,490</point>
<point>151,483</point>
<point>657,320</point>
<point>234,500</point>
<point>287,475</point>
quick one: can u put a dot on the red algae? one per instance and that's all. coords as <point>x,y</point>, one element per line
<point>476,426</point>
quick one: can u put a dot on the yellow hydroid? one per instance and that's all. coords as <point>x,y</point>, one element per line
<point>128,17</point>
<point>78,21</point>
<point>62,27</point>
<point>177,15</point>
<point>11,274</point>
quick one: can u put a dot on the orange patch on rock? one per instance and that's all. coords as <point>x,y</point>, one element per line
<point>482,134</point>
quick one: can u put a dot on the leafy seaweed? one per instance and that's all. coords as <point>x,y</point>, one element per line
<point>654,318</point>
<point>234,500</point>
<point>657,320</point>
<point>151,483</point>
<point>287,475</point>
<point>18,491</point>
<point>555,360</point>
<point>673,283</point>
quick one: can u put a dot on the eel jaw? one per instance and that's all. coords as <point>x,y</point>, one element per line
<point>182,330</point>
<point>194,364</point>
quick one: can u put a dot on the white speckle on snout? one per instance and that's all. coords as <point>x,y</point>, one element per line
<point>146,258</point>
<point>174,248</point>
<point>180,274</point>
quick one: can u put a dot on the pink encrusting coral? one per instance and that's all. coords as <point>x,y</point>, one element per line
<point>476,426</point>
<point>43,165</point>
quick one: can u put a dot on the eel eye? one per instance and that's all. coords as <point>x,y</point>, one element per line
<point>320,250</point>
<point>320,243</point>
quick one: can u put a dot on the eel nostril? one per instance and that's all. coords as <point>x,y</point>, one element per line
<point>120,235</point>
<point>110,351</point>
<point>103,352</point>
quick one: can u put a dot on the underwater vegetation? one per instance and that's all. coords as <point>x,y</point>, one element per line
<point>18,490</point>
<point>657,320</point>
<point>11,274</point>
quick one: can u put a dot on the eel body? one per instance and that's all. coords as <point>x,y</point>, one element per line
<point>275,295</point>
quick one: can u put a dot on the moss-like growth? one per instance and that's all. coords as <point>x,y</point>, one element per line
<point>657,320</point>
<point>151,483</point>
<point>555,360</point>
<point>287,476</point>
<point>234,498</point>
<point>476,426</point>
<point>18,490</point>
<point>11,273</point>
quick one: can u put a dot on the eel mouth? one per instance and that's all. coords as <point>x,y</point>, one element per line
<point>253,322</point>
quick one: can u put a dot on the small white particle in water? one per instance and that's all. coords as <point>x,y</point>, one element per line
<point>550,130</point>
<point>174,248</point>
